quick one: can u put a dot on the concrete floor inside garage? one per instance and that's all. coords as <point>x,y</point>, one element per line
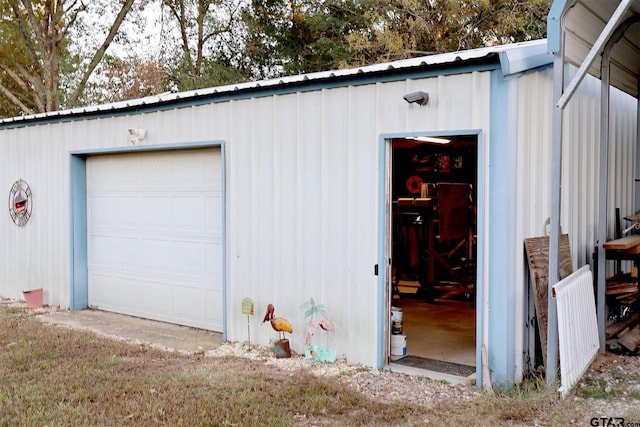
<point>443,330</point>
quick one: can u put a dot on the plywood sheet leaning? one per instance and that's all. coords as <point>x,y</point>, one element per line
<point>537,249</point>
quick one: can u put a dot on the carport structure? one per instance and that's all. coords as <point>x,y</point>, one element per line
<point>602,38</point>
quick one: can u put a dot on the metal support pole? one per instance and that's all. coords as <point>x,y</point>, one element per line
<point>603,183</point>
<point>637,178</point>
<point>554,235</point>
<point>635,20</point>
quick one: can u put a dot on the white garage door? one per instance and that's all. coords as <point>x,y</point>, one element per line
<point>155,235</point>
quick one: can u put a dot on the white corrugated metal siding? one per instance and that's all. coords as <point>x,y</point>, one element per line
<point>302,185</point>
<point>580,176</point>
<point>36,155</point>
<point>532,195</point>
<point>302,197</point>
<point>580,159</point>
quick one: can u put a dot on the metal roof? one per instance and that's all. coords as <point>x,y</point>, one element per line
<point>513,58</point>
<point>586,21</point>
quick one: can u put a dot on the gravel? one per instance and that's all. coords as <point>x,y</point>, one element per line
<point>620,371</point>
<point>381,385</point>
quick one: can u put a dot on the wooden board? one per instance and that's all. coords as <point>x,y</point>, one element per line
<point>631,340</point>
<point>614,329</point>
<point>423,201</point>
<point>537,249</point>
<point>621,288</point>
<point>635,217</point>
<point>405,201</point>
<point>628,299</point>
<point>623,243</point>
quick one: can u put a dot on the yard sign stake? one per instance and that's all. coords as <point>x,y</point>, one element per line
<point>247,308</point>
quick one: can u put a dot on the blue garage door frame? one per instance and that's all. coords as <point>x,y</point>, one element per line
<point>79,291</point>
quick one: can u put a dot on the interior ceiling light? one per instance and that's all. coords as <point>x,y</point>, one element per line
<point>431,139</point>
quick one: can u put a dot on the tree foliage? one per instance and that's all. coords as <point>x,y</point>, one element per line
<point>201,42</point>
<point>122,78</point>
<point>53,52</point>
<point>286,37</point>
<point>40,69</point>
<point>294,36</point>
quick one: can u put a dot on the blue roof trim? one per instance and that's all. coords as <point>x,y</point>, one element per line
<point>513,58</point>
<point>554,25</point>
<point>514,61</point>
<point>141,148</point>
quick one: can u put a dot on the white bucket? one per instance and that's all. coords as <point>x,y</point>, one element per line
<point>396,314</point>
<point>398,345</point>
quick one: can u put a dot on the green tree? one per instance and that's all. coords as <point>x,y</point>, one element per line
<point>287,37</point>
<point>201,42</point>
<point>53,53</point>
<point>46,57</point>
<point>400,29</point>
<point>11,95</point>
<point>128,77</point>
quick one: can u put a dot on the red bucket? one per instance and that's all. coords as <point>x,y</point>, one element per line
<point>33,298</point>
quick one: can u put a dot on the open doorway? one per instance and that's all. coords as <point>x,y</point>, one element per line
<point>432,229</point>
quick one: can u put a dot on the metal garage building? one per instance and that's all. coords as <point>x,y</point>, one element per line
<point>279,191</point>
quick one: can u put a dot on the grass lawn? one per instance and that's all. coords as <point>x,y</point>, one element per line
<point>54,376</point>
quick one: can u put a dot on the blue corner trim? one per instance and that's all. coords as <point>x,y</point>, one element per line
<point>514,61</point>
<point>383,263</point>
<point>554,25</point>
<point>79,297</point>
<point>501,256</point>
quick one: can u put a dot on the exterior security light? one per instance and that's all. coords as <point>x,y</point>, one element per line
<point>137,135</point>
<point>420,98</point>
